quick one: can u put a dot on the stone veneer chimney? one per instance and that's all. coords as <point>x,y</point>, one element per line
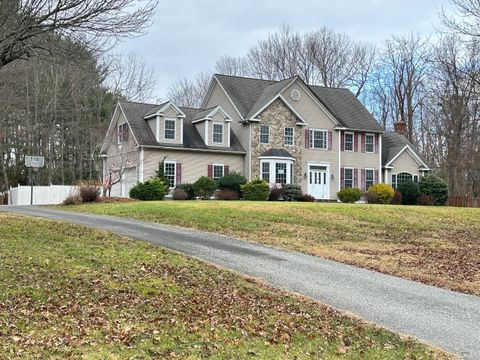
<point>400,127</point>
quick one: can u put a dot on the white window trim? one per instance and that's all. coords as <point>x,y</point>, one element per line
<point>260,134</point>
<point>213,132</point>
<point>118,132</point>
<point>373,147</point>
<point>293,136</point>
<point>373,176</point>
<point>396,177</point>
<point>213,171</point>
<point>345,141</point>
<point>174,129</point>
<point>345,178</point>
<point>310,139</point>
<point>273,168</point>
<point>174,171</point>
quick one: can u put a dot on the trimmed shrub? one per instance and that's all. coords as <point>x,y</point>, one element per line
<point>435,187</point>
<point>188,188</point>
<point>153,189</point>
<point>306,198</point>
<point>426,200</point>
<point>256,190</point>
<point>232,181</point>
<point>349,195</point>
<point>276,193</point>
<point>410,192</point>
<point>204,187</point>
<point>382,193</point>
<point>179,194</point>
<point>74,199</point>
<point>227,194</point>
<point>89,191</point>
<point>397,198</point>
<point>292,191</point>
<point>371,198</point>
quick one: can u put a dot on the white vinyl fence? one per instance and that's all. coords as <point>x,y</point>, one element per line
<point>42,195</point>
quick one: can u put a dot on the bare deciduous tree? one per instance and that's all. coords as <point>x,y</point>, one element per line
<point>468,20</point>
<point>405,66</point>
<point>28,27</point>
<point>235,66</point>
<point>130,77</point>
<point>189,93</point>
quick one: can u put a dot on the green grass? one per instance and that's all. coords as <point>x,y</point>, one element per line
<point>436,245</point>
<point>71,292</point>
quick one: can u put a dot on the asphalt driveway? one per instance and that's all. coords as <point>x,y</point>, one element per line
<point>444,318</point>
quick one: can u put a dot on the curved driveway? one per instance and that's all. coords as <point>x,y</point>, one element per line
<point>440,317</point>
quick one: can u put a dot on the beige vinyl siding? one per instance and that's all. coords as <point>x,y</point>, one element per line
<point>405,163</point>
<point>152,123</point>
<point>194,164</point>
<point>316,118</point>
<point>201,129</point>
<point>219,119</point>
<point>178,130</point>
<point>242,131</point>
<point>124,155</point>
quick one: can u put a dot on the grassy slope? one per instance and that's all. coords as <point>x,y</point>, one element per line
<point>436,245</point>
<point>69,291</point>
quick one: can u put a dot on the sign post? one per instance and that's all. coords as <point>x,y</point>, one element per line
<point>33,163</point>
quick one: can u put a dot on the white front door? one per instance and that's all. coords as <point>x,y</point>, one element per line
<point>318,184</point>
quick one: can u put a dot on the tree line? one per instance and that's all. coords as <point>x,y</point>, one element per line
<point>431,83</point>
<point>59,83</point>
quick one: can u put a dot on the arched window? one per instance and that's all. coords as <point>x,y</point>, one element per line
<point>397,179</point>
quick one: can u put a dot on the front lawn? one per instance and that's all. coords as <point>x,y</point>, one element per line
<point>435,245</point>
<point>72,292</point>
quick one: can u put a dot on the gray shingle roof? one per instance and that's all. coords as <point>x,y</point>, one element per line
<point>249,95</point>
<point>135,113</point>
<point>244,92</point>
<point>346,108</point>
<point>392,144</point>
<point>277,153</point>
<point>201,114</point>
<point>267,94</point>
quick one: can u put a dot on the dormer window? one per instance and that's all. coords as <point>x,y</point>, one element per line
<point>122,133</point>
<point>218,133</point>
<point>169,129</point>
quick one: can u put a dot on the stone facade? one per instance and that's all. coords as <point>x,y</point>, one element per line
<point>278,116</point>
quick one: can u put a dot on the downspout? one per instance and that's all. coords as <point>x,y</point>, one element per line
<point>140,165</point>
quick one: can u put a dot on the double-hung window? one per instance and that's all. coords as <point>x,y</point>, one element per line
<point>369,178</point>
<point>218,133</point>
<point>169,129</point>
<point>348,178</point>
<point>122,132</point>
<point>318,139</point>
<point>264,134</point>
<point>288,136</point>
<point>169,172</point>
<point>218,171</point>
<point>266,171</point>
<point>348,141</point>
<point>281,173</point>
<point>369,143</point>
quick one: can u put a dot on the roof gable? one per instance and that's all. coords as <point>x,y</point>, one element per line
<point>135,114</point>
<point>346,108</point>
<point>394,144</point>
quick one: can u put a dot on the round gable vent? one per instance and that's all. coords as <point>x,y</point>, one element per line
<point>295,95</point>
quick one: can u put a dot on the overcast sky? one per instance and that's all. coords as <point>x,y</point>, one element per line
<point>188,36</point>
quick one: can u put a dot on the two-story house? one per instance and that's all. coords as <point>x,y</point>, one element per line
<point>280,131</point>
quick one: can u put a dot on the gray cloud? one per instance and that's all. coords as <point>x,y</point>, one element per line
<point>188,36</point>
